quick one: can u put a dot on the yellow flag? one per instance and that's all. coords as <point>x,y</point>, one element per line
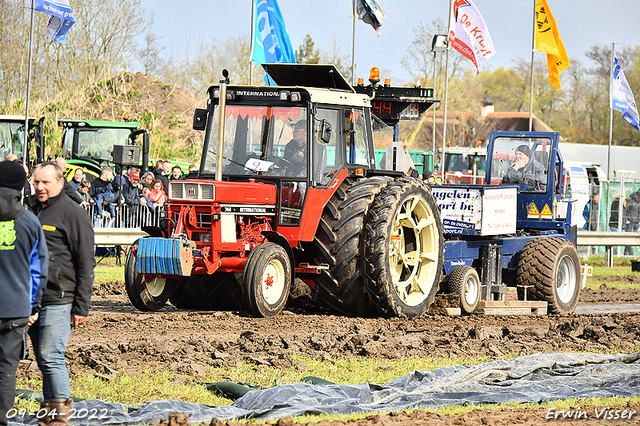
<point>548,41</point>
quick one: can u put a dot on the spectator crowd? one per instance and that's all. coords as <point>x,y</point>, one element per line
<point>137,195</point>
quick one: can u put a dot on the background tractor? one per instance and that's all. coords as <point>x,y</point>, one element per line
<point>89,144</point>
<point>13,141</point>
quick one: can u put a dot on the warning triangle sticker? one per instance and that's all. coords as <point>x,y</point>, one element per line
<point>533,211</point>
<point>546,212</point>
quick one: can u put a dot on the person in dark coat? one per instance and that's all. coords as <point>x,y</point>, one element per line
<point>67,296</point>
<point>632,222</point>
<point>23,277</point>
<point>525,170</point>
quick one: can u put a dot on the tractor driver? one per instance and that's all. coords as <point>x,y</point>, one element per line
<point>527,171</point>
<point>296,150</point>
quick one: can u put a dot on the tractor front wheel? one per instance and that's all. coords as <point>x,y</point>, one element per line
<point>145,295</point>
<point>267,280</point>
<point>465,284</point>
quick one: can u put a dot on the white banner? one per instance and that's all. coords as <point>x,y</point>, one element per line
<point>469,34</point>
<point>622,97</point>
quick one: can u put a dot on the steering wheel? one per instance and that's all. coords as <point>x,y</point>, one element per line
<point>282,163</point>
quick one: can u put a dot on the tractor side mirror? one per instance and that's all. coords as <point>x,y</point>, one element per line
<point>200,119</point>
<point>325,131</point>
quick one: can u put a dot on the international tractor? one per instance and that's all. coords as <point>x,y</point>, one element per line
<point>289,188</point>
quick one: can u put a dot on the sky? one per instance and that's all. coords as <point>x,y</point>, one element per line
<point>582,23</point>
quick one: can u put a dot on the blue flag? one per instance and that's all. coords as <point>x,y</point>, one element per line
<point>271,43</point>
<point>622,97</point>
<point>61,18</point>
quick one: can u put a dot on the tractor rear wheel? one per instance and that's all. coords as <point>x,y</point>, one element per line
<point>146,296</point>
<point>338,243</point>
<point>465,284</point>
<point>550,270</point>
<point>267,280</point>
<point>403,248</point>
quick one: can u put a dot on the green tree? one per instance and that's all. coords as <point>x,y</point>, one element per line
<point>307,53</point>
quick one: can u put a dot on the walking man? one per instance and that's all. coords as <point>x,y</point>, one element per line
<point>23,276</point>
<point>67,296</point>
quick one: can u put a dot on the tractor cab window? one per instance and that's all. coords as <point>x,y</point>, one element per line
<point>261,141</point>
<point>326,158</point>
<point>521,161</point>
<point>356,137</point>
<point>98,143</point>
<point>11,139</point>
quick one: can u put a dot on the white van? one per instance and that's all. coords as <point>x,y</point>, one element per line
<point>580,183</point>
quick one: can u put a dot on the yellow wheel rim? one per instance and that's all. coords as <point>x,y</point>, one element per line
<point>413,251</point>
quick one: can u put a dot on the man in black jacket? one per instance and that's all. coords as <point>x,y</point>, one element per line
<point>23,276</point>
<point>67,297</point>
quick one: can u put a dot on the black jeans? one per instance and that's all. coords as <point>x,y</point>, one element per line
<point>13,335</point>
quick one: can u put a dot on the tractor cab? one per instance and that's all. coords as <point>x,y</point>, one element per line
<point>533,163</point>
<point>89,144</point>
<point>12,136</point>
<point>295,138</point>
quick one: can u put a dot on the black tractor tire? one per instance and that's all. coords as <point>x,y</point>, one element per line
<point>217,292</point>
<point>339,243</point>
<point>550,268</point>
<point>465,284</point>
<point>403,248</point>
<point>267,280</point>
<point>146,296</point>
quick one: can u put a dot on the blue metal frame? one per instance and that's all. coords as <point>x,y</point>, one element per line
<point>465,250</point>
<point>550,198</point>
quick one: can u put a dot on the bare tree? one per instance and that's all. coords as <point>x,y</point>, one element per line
<point>149,53</point>
<point>333,55</point>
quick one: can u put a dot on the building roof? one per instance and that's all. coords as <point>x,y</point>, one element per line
<point>465,128</point>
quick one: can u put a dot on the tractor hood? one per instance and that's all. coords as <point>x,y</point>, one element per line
<point>308,75</point>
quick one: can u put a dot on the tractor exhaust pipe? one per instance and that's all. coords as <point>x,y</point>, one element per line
<point>221,111</point>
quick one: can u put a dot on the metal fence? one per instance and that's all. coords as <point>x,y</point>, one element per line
<point>126,216</point>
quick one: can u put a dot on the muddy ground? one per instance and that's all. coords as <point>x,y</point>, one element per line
<point>119,338</point>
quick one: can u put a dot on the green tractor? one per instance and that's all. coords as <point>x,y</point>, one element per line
<point>12,140</point>
<point>89,144</point>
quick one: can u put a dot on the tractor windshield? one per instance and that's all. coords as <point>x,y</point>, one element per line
<point>11,138</point>
<point>521,161</point>
<point>261,140</point>
<point>96,143</point>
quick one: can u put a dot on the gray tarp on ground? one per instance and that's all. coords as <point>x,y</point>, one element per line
<point>539,377</point>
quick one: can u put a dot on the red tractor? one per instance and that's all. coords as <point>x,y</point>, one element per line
<point>288,188</point>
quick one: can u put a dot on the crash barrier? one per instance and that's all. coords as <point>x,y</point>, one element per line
<point>126,216</point>
<point>608,240</point>
<point>113,237</point>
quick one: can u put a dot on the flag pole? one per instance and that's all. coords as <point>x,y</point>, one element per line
<point>25,149</point>
<point>533,51</point>
<point>353,45</point>
<point>433,148</point>
<point>253,12</point>
<point>446,94</point>
<point>613,46</point>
